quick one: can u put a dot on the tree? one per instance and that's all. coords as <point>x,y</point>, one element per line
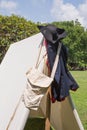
<point>75,42</point>
<point>12,29</point>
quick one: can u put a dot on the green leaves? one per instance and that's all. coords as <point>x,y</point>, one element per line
<point>12,29</point>
<point>76,41</point>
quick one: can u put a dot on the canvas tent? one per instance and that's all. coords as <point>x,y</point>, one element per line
<point>13,113</point>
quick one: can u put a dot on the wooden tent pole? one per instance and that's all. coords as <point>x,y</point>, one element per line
<point>48,110</point>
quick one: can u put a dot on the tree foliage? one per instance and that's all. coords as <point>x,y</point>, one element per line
<point>76,42</point>
<point>14,28</point>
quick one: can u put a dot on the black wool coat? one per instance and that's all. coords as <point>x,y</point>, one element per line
<point>63,80</point>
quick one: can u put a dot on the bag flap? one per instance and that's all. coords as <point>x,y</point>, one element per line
<point>37,78</point>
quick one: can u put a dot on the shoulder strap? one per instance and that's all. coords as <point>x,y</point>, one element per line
<point>40,48</point>
<point>56,61</point>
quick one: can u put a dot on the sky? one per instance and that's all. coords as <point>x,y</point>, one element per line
<point>46,10</point>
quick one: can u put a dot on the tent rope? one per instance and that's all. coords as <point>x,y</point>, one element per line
<point>15,110</point>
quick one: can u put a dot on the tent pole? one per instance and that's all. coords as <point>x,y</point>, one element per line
<point>48,110</point>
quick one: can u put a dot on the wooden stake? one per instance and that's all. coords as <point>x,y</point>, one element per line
<point>48,110</point>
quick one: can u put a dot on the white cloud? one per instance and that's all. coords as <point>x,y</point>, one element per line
<point>83,12</point>
<point>66,11</point>
<point>9,6</point>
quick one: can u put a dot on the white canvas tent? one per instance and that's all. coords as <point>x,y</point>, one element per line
<point>13,114</point>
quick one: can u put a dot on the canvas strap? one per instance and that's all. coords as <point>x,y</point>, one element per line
<point>41,44</point>
<point>56,61</point>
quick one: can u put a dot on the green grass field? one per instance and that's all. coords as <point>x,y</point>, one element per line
<point>79,98</point>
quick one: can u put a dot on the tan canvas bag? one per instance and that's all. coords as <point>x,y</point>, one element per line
<point>38,82</point>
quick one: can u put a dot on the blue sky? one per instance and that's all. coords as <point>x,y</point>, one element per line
<point>46,10</point>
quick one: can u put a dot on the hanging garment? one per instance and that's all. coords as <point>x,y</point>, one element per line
<point>63,81</point>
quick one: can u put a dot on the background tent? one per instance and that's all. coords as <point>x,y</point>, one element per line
<point>13,114</point>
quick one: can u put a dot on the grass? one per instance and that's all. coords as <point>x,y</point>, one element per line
<point>79,98</point>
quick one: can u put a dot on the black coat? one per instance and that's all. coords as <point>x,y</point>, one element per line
<point>63,80</point>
